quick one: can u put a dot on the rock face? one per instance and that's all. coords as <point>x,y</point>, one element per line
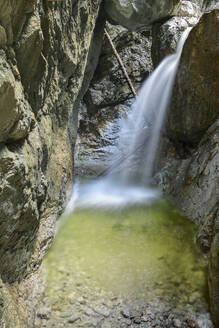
<point>192,184</point>
<point>133,14</point>
<point>190,174</point>
<point>195,104</point>
<point>166,35</point>
<point>43,56</point>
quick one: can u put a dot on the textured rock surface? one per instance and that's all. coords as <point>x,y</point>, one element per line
<point>195,102</point>
<point>191,174</point>
<point>43,56</point>
<point>196,188</point>
<point>133,14</point>
<point>193,186</point>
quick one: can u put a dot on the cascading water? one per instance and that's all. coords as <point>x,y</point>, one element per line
<point>141,131</point>
<point>128,179</point>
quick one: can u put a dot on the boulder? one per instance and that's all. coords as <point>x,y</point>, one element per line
<point>134,14</point>
<point>165,36</point>
<point>195,103</point>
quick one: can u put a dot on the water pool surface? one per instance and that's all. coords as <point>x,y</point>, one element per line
<point>139,252</point>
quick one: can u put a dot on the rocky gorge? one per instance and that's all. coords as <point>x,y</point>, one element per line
<point>55,61</point>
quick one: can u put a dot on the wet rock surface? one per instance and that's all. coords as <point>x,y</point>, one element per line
<point>192,183</point>
<point>166,35</point>
<point>191,173</point>
<point>194,105</point>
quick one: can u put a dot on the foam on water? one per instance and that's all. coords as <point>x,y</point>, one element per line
<point>105,193</point>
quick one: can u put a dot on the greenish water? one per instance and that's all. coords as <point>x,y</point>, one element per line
<point>140,252</point>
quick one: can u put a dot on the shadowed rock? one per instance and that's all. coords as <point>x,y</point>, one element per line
<point>195,102</point>
<point>137,13</point>
<point>43,57</point>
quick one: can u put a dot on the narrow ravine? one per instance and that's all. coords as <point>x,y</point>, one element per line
<point>137,267</point>
<point>124,257</point>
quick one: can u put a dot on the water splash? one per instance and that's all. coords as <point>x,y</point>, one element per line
<point>105,193</point>
<point>128,179</point>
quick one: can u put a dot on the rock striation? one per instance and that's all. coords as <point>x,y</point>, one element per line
<point>44,50</point>
<point>167,34</point>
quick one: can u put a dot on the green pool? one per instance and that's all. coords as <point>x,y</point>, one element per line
<point>139,252</point>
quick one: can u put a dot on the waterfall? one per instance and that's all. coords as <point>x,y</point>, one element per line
<point>128,179</point>
<point>140,133</point>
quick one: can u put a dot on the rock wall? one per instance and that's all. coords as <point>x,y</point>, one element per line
<point>134,14</point>
<point>43,55</point>
<point>199,99</point>
<point>191,156</point>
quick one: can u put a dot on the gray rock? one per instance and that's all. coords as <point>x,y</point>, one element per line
<point>137,13</point>
<point>194,105</point>
<point>14,109</point>
<point>65,314</point>
<point>166,35</point>
<point>44,313</point>
<point>42,66</point>
<point>102,312</point>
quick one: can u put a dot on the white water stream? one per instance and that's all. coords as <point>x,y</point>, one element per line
<point>128,180</point>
